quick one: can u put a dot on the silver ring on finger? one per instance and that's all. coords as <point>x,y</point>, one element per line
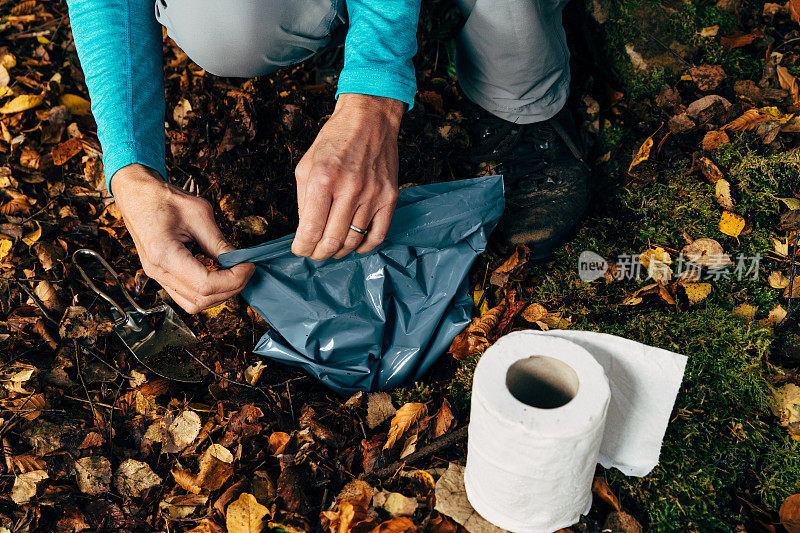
<point>358,230</point>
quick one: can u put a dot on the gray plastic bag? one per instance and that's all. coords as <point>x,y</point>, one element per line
<point>374,321</point>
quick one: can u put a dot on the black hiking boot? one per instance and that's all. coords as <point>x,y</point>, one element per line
<point>546,178</point>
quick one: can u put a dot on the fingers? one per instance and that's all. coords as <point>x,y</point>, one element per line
<point>337,227</point>
<point>313,218</point>
<point>378,230</point>
<point>361,219</point>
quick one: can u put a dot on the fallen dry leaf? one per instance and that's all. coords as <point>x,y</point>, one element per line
<point>245,515</point>
<point>26,486</point>
<point>444,419</point>
<point>93,474</point>
<point>406,416</point>
<point>747,122</point>
<point>706,252</point>
<point>777,280</point>
<point>76,104</point>
<point>709,170</point>
<point>722,194</point>
<point>134,477</point>
<point>22,102</point>
<point>731,224</point>
<point>695,292</point>
<point>451,500</point>
<point>790,513</point>
<point>657,261</point>
<point>601,489</point>
<point>745,311</point>
<point>642,154</point>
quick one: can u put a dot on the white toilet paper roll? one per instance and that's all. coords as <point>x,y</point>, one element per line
<point>535,430</point>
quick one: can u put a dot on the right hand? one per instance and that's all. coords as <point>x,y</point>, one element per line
<point>162,219</point>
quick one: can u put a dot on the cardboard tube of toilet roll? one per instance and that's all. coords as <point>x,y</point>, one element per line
<point>537,417</point>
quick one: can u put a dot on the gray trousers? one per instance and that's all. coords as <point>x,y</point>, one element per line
<point>511,55</point>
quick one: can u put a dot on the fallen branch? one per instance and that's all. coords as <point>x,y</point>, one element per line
<point>442,443</point>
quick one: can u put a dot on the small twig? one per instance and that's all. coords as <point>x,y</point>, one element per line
<point>442,443</point>
<point>792,273</point>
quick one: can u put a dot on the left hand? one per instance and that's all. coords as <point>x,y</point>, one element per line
<point>349,176</point>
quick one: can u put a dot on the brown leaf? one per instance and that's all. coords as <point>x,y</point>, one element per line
<point>398,524</point>
<point>432,99</point>
<point>277,442</point>
<point>747,122</point>
<point>601,489</point>
<point>406,416</point>
<point>245,515</point>
<point>739,40</point>
<point>790,220</point>
<point>444,419</point>
<point>66,151</point>
<point>503,272</point>
<point>642,154</point>
<point>794,10</point>
<point>709,170</point>
<point>290,489</point>
<point>790,513</point>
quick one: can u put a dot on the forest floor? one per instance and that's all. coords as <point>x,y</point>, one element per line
<point>691,113</point>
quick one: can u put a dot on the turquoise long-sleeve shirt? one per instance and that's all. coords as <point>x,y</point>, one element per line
<point>119,46</point>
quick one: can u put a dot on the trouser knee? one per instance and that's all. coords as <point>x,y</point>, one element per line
<point>246,38</point>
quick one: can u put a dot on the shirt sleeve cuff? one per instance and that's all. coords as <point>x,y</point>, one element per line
<point>124,154</point>
<point>377,82</point>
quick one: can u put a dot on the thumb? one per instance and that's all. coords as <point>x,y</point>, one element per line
<point>208,235</point>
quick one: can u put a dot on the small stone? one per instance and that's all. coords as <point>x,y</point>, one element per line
<point>621,522</point>
<point>703,107</point>
<point>681,123</point>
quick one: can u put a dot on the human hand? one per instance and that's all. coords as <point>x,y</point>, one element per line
<point>162,219</point>
<point>349,176</point>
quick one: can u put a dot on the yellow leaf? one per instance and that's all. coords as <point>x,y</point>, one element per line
<point>731,224</point>
<point>8,61</point>
<point>6,134</point>
<point>4,77</point>
<point>780,247</point>
<point>534,313</point>
<point>406,417</point>
<point>696,292</point>
<point>777,280</point>
<point>791,203</point>
<point>42,39</point>
<point>657,262</point>
<point>776,114</point>
<point>476,299</point>
<point>5,248</point>
<point>22,102</point>
<point>5,91</point>
<point>245,515</point>
<point>642,154</point>
<point>33,236</point>
<point>76,104</point>
<point>745,311</point>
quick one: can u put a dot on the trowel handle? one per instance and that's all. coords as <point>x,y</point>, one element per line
<point>97,257</point>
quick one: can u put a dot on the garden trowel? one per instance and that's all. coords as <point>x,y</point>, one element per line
<point>157,337</point>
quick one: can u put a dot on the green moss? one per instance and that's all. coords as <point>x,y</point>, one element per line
<point>420,393</point>
<point>722,443</point>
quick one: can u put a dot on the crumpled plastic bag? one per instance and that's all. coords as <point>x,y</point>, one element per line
<point>378,320</point>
